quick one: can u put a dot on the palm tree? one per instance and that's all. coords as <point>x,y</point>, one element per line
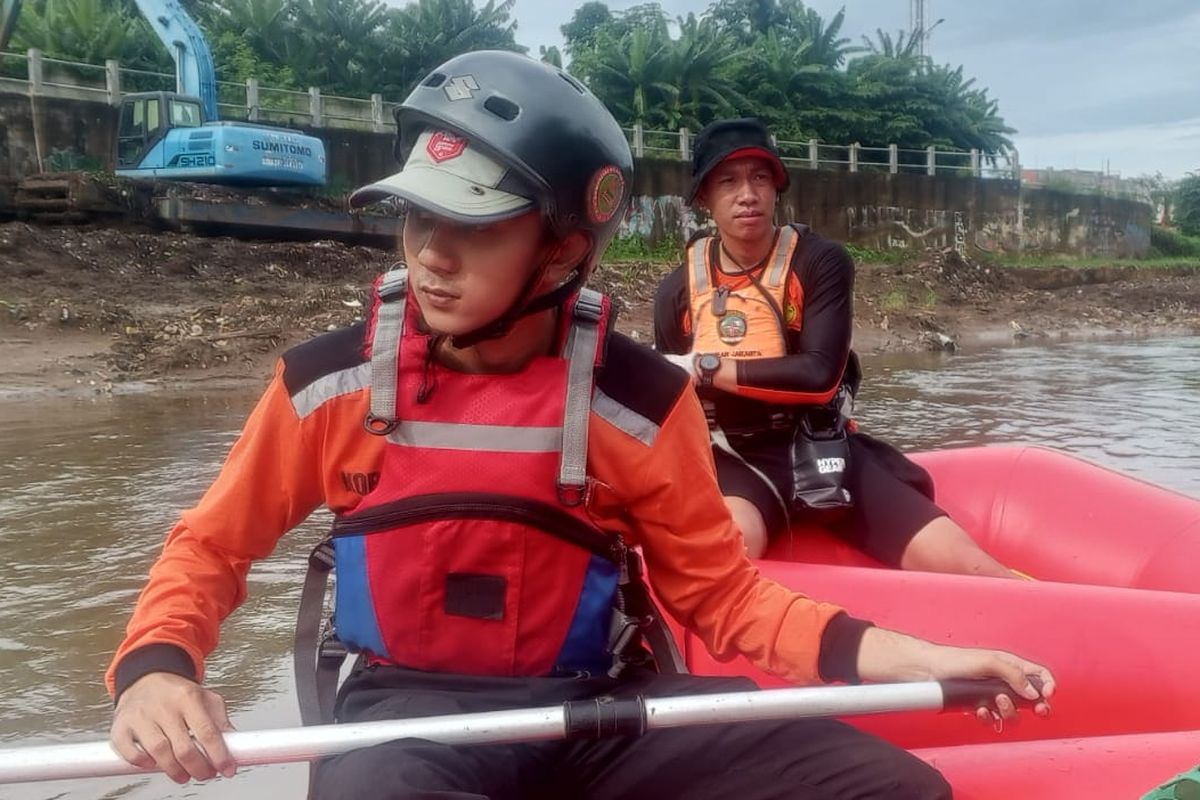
<point>550,55</point>
<point>970,119</point>
<point>90,31</point>
<point>423,34</point>
<point>904,46</point>
<point>704,60</point>
<point>747,19</point>
<point>587,21</point>
<point>264,25</point>
<point>782,83</point>
<point>633,76</point>
<point>332,42</point>
<point>828,47</point>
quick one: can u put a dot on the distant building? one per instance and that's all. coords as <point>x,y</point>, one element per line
<point>1087,181</point>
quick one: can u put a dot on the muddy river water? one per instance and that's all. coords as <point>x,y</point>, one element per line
<point>89,487</point>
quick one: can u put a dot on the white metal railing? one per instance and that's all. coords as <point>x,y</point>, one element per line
<point>44,76</point>
<point>250,101</point>
<point>815,154</point>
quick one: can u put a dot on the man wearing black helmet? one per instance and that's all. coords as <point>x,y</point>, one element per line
<point>761,317</point>
<point>514,452</point>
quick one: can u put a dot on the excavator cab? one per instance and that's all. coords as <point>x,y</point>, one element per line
<point>165,135</point>
<point>177,135</point>
<point>146,118</point>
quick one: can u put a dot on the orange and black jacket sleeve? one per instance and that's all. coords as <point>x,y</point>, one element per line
<point>818,350</point>
<point>304,446</point>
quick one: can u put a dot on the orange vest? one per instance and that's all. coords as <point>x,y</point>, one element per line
<point>740,323</point>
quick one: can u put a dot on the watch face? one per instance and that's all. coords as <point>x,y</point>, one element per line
<point>709,362</point>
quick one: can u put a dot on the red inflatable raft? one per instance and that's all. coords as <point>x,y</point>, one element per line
<point>1051,516</point>
<point>1114,610</point>
<point>1096,768</point>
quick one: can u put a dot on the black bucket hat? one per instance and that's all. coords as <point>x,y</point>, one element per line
<point>734,138</point>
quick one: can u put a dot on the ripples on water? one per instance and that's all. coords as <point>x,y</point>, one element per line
<point>1131,405</point>
<point>89,488</point>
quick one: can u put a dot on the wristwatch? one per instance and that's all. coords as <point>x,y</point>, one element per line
<point>708,364</point>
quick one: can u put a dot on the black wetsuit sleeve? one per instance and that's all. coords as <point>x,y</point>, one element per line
<point>670,307</point>
<point>820,349</point>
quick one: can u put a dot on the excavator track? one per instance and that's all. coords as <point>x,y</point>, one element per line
<point>74,198</point>
<point>65,198</point>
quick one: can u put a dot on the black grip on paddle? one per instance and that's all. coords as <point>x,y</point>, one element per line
<point>972,693</point>
<point>604,716</point>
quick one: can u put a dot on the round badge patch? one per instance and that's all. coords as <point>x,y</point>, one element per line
<point>731,328</point>
<point>605,193</point>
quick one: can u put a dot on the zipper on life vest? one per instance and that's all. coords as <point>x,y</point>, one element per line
<point>477,505</point>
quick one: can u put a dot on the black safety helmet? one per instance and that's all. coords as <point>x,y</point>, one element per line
<point>569,154</point>
<point>566,152</point>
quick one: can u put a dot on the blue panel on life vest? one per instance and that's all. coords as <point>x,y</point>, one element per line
<point>586,645</point>
<point>355,621</point>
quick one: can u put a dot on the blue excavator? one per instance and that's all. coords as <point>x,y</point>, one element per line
<point>179,136</point>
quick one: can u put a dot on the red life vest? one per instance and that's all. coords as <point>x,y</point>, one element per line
<point>474,553</point>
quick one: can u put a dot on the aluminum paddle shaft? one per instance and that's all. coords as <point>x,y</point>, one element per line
<point>576,719</point>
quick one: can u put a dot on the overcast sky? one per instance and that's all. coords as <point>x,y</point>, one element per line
<point>1086,83</point>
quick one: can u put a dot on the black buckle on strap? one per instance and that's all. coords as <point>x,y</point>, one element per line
<point>589,307</point>
<point>322,558</point>
<point>393,287</point>
<point>331,647</point>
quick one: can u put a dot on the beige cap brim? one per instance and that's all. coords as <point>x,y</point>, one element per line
<point>444,194</point>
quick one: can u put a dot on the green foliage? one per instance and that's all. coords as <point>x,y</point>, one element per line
<point>1152,260</point>
<point>1173,244</point>
<point>1187,205</point>
<point>775,59</point>
<point>345,47</point>
<point>239,60</point>
<point>89,31</point>
<point>865,255</point>
<point>638,248</point>
<point>551,55</point>
<point>895,300</point>
<point>421,35</point>
<point>782,62</point>
<point>586,23</point>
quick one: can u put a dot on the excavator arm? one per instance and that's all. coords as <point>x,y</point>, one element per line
<point>195,73</point>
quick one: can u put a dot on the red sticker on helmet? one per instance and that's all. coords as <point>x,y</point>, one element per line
<point>605,193</point>
<point>444,146</point>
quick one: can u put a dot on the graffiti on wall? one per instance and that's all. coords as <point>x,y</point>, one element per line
<point>898,228</point>
<point>1036,223</point>
<point>654,218</point>
<point>1089,230</point>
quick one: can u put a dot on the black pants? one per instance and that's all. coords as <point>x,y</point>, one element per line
<point>750,761</point>
<point>892,496</point>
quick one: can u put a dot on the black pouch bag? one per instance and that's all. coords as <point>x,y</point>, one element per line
<point>820,456</point>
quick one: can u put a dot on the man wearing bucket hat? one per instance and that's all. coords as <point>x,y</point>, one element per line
<point>492,454</point>
<point>760,317</point>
